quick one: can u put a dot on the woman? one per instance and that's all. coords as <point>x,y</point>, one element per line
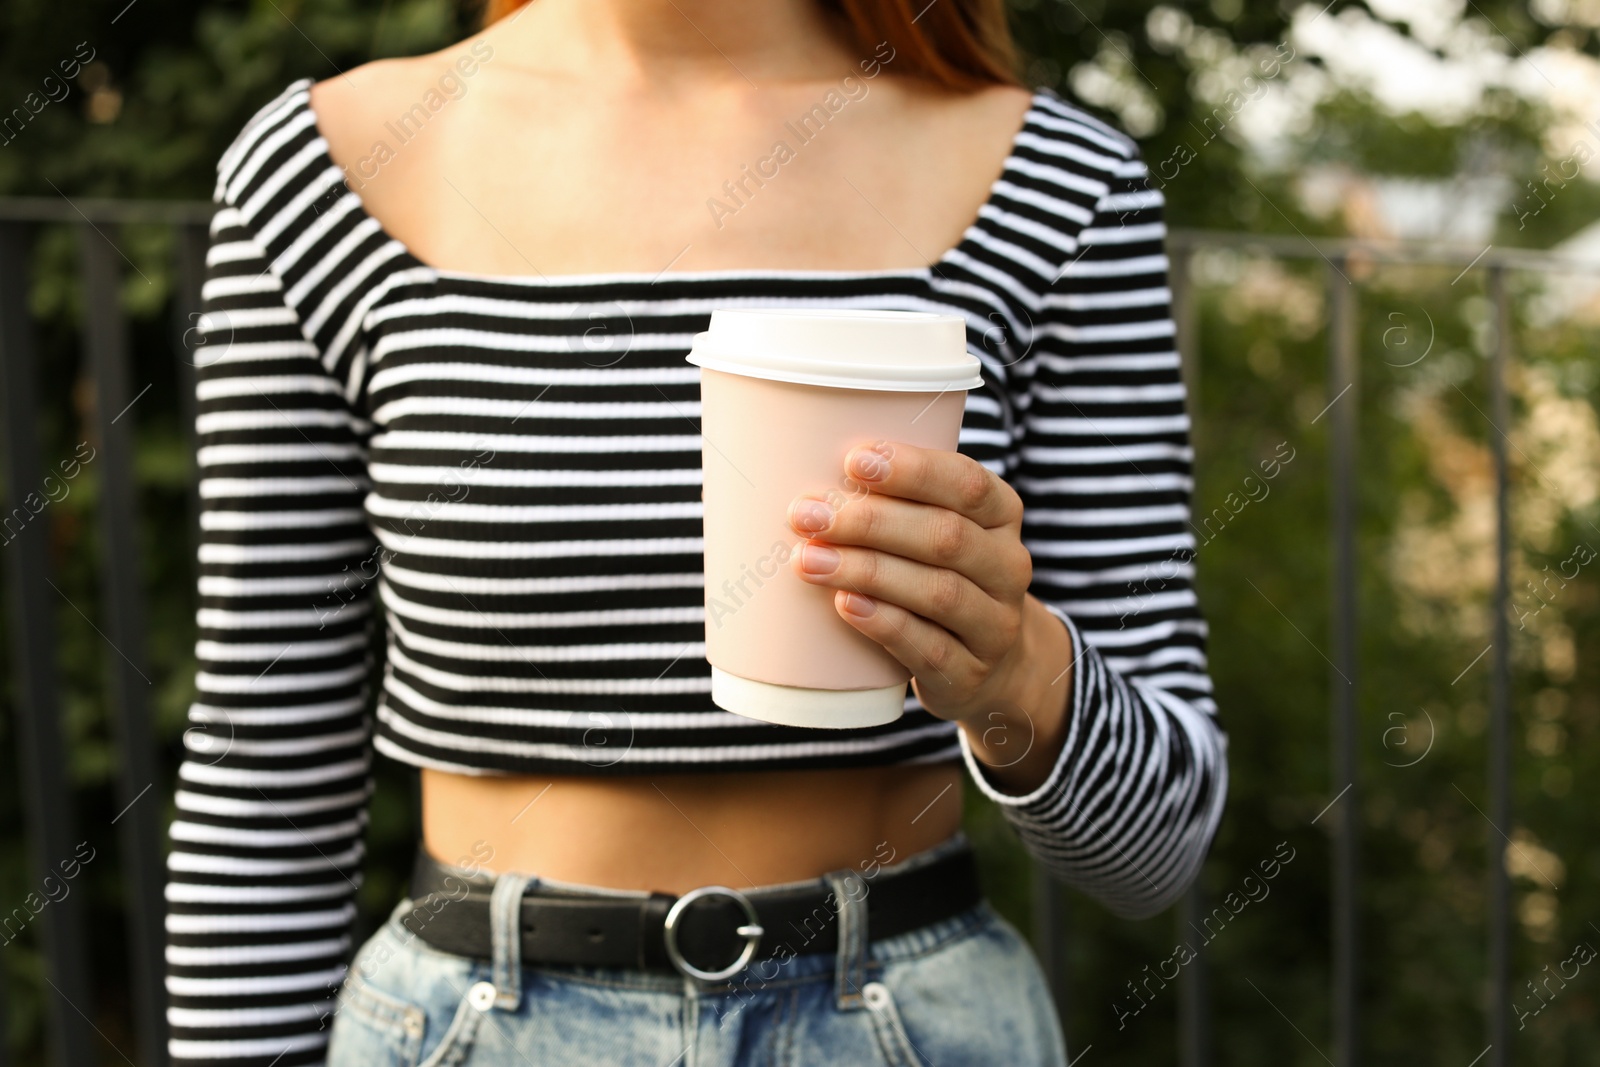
<point>449,299</point>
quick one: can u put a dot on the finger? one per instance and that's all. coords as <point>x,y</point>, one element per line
<point>938,659</point>
<point>940,596</point>
<point>936,476</point>
<point>996,562</point>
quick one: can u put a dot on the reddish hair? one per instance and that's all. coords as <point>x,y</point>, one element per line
<point>961,44</point>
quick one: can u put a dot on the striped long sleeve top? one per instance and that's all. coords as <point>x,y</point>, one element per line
<point>501,475</point>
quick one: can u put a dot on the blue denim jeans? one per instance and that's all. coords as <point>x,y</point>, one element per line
<point>961,991</point>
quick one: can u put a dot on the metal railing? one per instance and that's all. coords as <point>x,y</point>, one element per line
<point>33,598</point>
<point>1343,369</point>
<point>50,819</point>
<point>1343,376</point>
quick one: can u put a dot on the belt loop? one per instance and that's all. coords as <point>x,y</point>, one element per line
<point>850,977</point>
<point>505,926</point>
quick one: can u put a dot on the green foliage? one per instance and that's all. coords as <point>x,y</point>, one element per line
<point>1352,130</point>
<point>1422,692</point>
<point>184,77</point>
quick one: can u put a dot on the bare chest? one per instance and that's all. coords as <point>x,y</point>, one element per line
<point>826,184</point>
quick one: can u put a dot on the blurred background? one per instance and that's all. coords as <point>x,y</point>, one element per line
<point>1386,250</point>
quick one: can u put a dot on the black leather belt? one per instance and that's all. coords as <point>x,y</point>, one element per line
<point>711,933</point>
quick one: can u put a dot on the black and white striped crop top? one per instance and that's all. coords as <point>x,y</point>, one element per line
<point>502,475</point>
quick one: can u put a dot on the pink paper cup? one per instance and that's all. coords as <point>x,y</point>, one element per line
<point>785,395</point>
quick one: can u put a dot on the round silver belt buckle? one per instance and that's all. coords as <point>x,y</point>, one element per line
<point>751,931</point>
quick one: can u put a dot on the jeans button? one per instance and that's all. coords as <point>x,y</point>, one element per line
<point>481,996</point>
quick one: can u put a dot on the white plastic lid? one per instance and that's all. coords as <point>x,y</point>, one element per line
<point>902,351</point>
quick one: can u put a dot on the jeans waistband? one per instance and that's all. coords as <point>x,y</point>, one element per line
<point>852,962</point>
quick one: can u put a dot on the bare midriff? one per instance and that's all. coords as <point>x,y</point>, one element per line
<point>673,832</point>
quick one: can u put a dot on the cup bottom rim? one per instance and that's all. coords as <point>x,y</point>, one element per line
<point>787,705</point>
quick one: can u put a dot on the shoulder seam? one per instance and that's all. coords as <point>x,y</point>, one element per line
<point>246,140</point>
<point>1081,161</point>
<point>1073,112</point>
<point>332,261</point>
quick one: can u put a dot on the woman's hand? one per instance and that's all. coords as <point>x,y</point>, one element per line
<point>930,564</point>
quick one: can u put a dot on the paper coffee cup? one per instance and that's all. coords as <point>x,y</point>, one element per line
<point>785,395</point>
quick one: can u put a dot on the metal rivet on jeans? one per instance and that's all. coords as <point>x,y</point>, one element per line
<point>481,996</point>
<point>876,994</point>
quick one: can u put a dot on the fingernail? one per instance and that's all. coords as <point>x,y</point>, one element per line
<point>859,605</point>
<point>812,515</point>
<point>818,559</point>
<point>870,466</point>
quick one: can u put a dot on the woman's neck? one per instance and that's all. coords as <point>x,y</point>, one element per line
<point>678,44</point>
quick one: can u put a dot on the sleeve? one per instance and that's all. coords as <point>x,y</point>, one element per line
<point>272,792</point>
<point>1129,810</point>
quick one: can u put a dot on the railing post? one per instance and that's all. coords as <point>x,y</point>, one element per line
<point>1186,324</point>
<point>46,795</point>
<point>1194,992</point>
<point>139,802</point>
<point>1344,393</point>
<point>1049,936</point>
<point>1499,1008</point>
<point>192,241</point>
<point>1194,1002</point>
